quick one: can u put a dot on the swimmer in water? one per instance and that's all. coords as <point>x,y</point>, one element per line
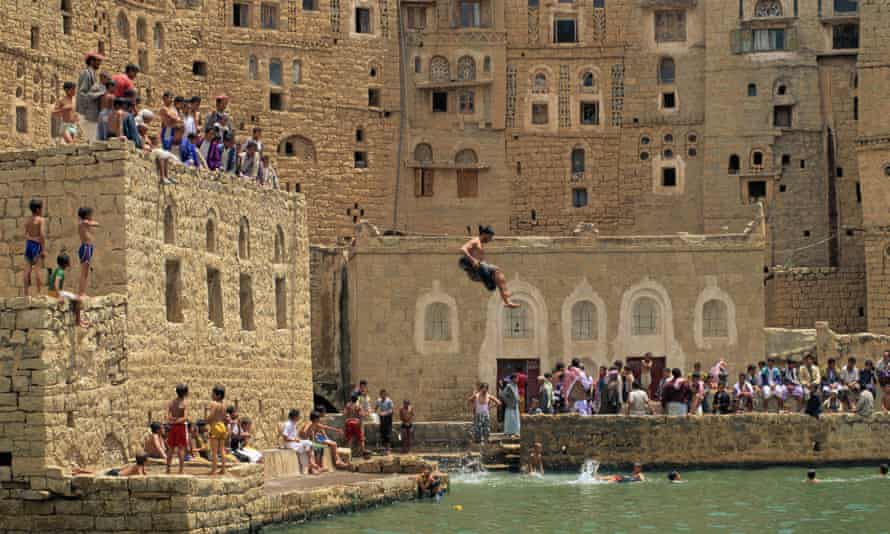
<point>811,477</point>
<point>536,460</point>
<point>674,478</point>
<point>884,468</point>
<point>635,476</point>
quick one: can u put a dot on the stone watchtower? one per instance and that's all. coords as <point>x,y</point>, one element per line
<point>873,150</point>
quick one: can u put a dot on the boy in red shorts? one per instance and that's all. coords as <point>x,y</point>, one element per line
<point>178,437</point>
<point>352,429</point>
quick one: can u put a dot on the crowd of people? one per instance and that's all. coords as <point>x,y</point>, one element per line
<point>776,384</point>
<point>102,106</point>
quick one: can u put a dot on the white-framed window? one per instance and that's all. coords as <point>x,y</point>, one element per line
<point>584,321</point>
<point>437,325</point>
<point>714,319</point>
<point>645,317</point>
<point>517,323</point>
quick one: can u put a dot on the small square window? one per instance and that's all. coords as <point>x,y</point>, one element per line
<point>418,65</point>
<point>269,15</point>
<point>276,101</point>
<point>466,102</point>
<point>240,15</point>
<point>590,113</point>
<point>668,100</point>
<point>599,4</point>
<point>845,36</point>
<point>470,13</point>
<point>782,117</point>
<point>310,5</point>
<point>786,160</point>
<point>440,102</point>
<point>579,197</point>
<point>199,68</point>
<point>361,160</point>
<point>415,18</point>
<point>362,20</point>
<point>564,31</point>
<point>373,98</point>
<point>668,177</point>
<point>839,172</point>
<point>21,119</point>
<point>752,89</point>
<point>783,188</point>
<point>540,114</point>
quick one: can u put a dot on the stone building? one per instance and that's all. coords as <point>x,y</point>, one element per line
<point>420,328</point>
<point>201,283</point>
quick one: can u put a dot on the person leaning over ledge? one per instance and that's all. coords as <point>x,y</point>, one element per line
<point>866,404</point>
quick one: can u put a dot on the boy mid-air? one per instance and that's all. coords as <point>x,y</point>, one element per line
<point>474,264</point>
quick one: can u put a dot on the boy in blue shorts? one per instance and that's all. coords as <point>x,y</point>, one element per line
<point>472,262</point>
<point>85,227</point>
<point>35,243</point>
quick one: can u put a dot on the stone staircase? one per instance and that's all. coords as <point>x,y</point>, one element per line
<point>502,453</point>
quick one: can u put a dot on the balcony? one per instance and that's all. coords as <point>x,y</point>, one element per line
<point>451,84</point>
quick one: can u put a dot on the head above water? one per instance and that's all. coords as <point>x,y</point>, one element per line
<point>811,474</point>
<point>674,476</point>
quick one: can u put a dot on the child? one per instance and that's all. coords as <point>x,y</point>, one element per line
<point>35,243</point>
<point>536,460</point>
<point>384,410</point>
<point>290,433</point>
<point>406,415</point>
<point>125,471</point>
<point>199,440</point>
<point>154,443</point>
<point>177,418</point>
<point>85,253</point>
<point>64,109</point>
<point>472,262</point>
<point>352,429</point>
<point>56,287</point>
<point>218,431</point>
<point>234,427</point>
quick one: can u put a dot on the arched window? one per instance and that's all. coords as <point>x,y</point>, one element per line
<point>123,26</point>
<point>423,153</point>
<point>466,68</point>
<point>279,245</point>
<point>244,239</point>
<point>436,322</point>
<point>210,231</point>
<point>752,89</point>
<point>781,89</point>
<point>297,146</point>
<point>757,158</point>
<point>667,70</point>
<point>735,164</point>
<point>466,157</point>
<point>588,82</point>
<point>517,323</point>
<point>275,72</point>
<point>157,36</point>
<point>768,8</point>
<point>141,30</point>
<point>645,317</point>
<point>539,85</point>
<point>714,319</point>
<point>584,321</point>
<point>252,68</point>
<point>578,160</point>
<point>440,70</point>
<point>169,226</point>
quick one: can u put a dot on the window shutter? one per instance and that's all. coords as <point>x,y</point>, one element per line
<point>747,40</point>
<point>485,17</point>
<point>418,182</point>
<point>735,40</point>
<point>455,13</point>
<point>428,184</point>
<point>791,38</point>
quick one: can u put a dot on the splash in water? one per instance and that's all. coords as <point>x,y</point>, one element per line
<point>471,470</point>
<point>589,473</point>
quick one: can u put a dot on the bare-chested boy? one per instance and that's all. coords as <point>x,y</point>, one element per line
<point>35,243</point>
<point>64,109</point>
<point>169,118</point>
<point>177,418</point>
<point>473,263</point>
<point>315,432</point>
<point>536,460</point>
<point>219,432</point>
<point>406,415</point>
<point>85,227</point>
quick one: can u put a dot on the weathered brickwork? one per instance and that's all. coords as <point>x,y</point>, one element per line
<point>797,298</point>
<point>211,286</point>
<point>752,439</point>
<point>424,331</point>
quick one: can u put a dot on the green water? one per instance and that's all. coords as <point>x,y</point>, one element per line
<point>732,501</point>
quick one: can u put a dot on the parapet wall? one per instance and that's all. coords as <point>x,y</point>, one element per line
<point>797,298</point>
<point>751,439</point>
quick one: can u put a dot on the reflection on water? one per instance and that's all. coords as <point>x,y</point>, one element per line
<point>733,501</point>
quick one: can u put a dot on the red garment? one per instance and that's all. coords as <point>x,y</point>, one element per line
<point>353,429</point>
<point>178,436</point>
<point>521,380</point>
<point>122,84</point>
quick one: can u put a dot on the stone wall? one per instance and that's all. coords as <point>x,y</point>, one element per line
<point>215,278</point>
<point>749,439</point>
<point>186,504</point>
<point>423,331</point>
<point>797,298</point>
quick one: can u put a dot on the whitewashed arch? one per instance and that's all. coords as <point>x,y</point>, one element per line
<point>494,345</point>
<point>663,342</point>
<point>421,344</point>
<point>594,349</point>
<point>713,292</point>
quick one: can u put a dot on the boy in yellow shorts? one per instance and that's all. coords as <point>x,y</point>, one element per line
<point>216,419</point>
